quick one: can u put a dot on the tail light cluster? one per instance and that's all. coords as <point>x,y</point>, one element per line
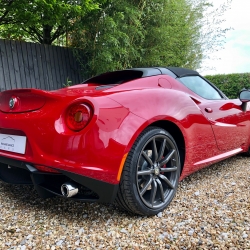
<point>78,116</point>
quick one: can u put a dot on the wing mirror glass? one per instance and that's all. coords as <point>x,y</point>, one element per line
<point>244,95</point>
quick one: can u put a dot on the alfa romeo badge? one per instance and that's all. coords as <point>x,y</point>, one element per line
<point>12,102</point>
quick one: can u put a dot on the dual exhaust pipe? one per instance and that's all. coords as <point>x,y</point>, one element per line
<point>69,189</point>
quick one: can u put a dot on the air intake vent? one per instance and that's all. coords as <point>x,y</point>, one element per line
<point>105,87</point>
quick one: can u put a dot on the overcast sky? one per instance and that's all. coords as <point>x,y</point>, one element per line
<point>235,57</point>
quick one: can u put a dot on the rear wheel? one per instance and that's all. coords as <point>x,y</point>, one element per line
<point>151,173</point>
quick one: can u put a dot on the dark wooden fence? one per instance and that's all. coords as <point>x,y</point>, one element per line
<point>30,65</point>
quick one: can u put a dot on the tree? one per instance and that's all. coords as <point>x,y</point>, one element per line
<point>212,34</point>
<point>110,37</point>
<point>134,33</point>
<point>172,34</point>
<point>5,7</point>
<point>117,34</point>
<point>42,21</point>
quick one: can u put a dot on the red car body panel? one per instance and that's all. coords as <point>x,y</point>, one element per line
<point>227,119</point>
<point>211,130</point>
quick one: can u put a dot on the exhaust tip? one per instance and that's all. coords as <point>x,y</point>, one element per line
<point>69,189</point>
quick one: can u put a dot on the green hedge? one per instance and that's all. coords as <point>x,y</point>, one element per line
<point>231,84</point>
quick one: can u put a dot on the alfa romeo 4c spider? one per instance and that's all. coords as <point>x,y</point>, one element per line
<point>127,136</point>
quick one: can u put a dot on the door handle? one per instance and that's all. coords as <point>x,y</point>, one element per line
<point>208,110</point>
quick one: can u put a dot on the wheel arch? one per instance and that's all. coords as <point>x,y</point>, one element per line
<point>176,133</point>
<point>170,127</point>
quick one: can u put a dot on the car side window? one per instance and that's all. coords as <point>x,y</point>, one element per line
<point>201,87</point>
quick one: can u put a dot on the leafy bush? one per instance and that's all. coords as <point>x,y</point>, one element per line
<point>231,84</point>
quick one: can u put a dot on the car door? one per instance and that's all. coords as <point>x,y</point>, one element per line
<point>229,122</point>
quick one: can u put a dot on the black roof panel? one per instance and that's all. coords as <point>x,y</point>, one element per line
<point>180,72</point>
<point>121,76</point>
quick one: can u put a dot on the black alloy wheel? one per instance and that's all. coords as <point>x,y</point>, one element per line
<point>151,173</point>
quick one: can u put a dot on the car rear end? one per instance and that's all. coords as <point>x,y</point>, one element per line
<point>50,140</point>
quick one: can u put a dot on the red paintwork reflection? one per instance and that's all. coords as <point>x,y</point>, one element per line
<point>120,114</point>
<point>229,123</point>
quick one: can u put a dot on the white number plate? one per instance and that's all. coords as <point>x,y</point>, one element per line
<point>13,143</point>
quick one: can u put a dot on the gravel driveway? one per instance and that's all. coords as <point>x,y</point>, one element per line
<point>211,211</point>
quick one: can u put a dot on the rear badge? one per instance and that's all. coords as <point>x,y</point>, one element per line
<point>12,102</point>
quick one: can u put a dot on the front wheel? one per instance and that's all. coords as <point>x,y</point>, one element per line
<point>151,173</point>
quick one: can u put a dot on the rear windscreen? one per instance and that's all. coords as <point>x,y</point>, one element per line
<point>116,77</point>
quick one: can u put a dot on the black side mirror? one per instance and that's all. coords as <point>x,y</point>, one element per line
<point>244,96</point>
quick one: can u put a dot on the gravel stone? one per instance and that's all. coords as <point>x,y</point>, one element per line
<point>23,242</point>
<point>224,236</point>
<point>59,243</point>
<point>197,193</point>
<point>210,211</point>
<point>123,231</point>
<point>191,232</point>
<point>244,236</point>
<point>159,215</point>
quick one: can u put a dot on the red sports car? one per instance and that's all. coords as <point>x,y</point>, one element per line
<point>128,135</point>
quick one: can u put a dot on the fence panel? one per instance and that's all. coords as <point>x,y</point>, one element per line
<point>30,65</point>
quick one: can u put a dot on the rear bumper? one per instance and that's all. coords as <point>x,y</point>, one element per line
<point>49,184</point>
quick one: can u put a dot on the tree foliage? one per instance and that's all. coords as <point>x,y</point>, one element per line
<point>117,34</point>
<point>135,33</point>
<point>172,34</point>
<point>110,38</point>
<point>41,21</point>
<point>231,84</point>
<point>213,31</point>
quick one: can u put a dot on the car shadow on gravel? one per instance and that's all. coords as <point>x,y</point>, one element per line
<point>25,198</point>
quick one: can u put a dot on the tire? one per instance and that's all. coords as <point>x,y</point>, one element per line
<point>150,174</point>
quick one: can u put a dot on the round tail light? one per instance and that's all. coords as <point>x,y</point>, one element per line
<point>78,116</point>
